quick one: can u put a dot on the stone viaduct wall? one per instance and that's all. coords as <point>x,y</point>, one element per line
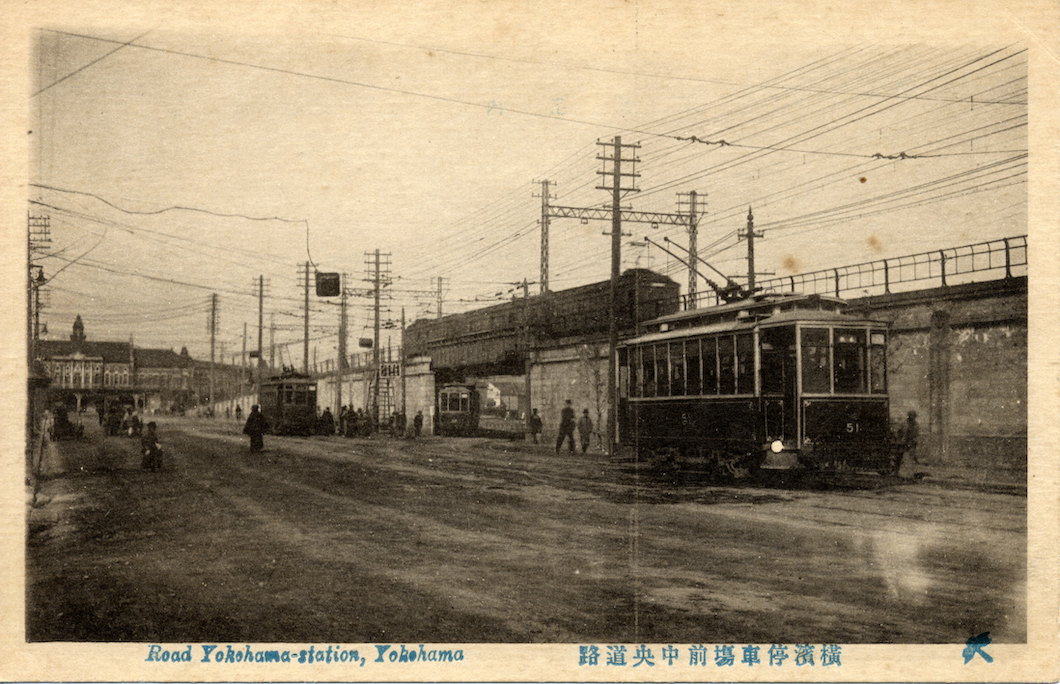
<point>958,357</point>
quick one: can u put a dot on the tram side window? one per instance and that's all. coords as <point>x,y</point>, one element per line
<point>637,371</point>
<point>726,366</point>
<point>878,362</point>
<point>677,369</point>
<point>647,370</point>
<point>662,371</point>
<point>693,370</point>
<point>312,396</point>
<point>745,364</point>
<point>288,394</point>
<point>815,366</point>
<point>849,361</point>
<point>623,372</point>
<point>710,365</point>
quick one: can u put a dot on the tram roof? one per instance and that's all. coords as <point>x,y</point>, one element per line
<point>767,302</point>
<point>749,322</point>
<point>289,378</point>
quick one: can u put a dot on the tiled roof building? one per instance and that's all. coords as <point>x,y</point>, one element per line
<point>84,371</point>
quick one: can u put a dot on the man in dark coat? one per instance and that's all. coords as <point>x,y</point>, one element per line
<point>152,450</point>
<point>256,427</point>
<point>535,425</point>
<point>566,427</point>
<point>326,423</point>
<point>585,430</point>
<point>417,424</point>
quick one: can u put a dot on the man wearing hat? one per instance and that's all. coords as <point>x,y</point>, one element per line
<point>256,427</point>
<point>566,427</point>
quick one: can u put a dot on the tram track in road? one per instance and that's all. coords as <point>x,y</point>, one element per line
<point>476,540</point>
<point>513,465</point>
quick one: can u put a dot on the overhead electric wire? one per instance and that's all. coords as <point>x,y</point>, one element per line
<point>95,61</point>
<point>643,126</point>
<point>370,86</point>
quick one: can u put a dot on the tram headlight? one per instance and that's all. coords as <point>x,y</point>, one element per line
<point>777,446</point>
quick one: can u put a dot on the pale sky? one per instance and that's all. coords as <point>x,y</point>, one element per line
<point>394,131</point>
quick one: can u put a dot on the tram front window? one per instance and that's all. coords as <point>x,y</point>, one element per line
<point>878,362</point>
<point>815,366</point>
<point>849,360</point>
<point>778,357</point>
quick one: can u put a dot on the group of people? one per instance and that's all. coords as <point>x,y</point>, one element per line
<point>355,423</point>
<point>351,423</point>
<point>567,426</point>
<point>115,422</point>
<point>362,423</point>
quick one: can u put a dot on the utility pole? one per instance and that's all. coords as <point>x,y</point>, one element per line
<point>340,366</point>
<point>375,343</point>
<point>544,236</point>
<point>693,226</point>
<point>261,323</point>
<point>38,237</point>
<point>272,341</point>
<point>305,349</point>
<point>379,280</point>
<point>404,401</point>
<point>213,338</point>
<point>440,281</point>
<point>243,360</point>
<point>750,234</point>
<point>528,363</point>
<point>617,190</point>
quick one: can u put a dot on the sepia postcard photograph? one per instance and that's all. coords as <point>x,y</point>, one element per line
<point>466,341</point>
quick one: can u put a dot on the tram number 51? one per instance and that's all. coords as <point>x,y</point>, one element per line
<point>853,427</point>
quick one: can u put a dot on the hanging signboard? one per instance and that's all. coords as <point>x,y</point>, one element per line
<point>365,342</point>
<point>327,284</point>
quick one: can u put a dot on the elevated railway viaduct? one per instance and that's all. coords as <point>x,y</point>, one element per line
<point>957,356</point>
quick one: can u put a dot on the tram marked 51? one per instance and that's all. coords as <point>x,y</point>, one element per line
<point>778,381</point>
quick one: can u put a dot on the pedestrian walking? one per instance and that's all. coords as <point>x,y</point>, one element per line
<point>585,430</point>
<point>908,438</point>
<point>417,424</point>
<point>566,427</point>
<point>326,423</point>
<point>535,425</point>
<point>152,450</point>
<point>255,427</point>
<point>239,413</point>
<point>912,435</point>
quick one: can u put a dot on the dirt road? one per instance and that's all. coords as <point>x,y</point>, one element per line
<point>473,540</point>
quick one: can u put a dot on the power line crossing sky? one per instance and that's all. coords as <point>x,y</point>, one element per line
<point>175,164</point>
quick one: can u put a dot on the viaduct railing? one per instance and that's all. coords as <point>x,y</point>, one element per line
<point>358,361</point>
<point>997,259</point>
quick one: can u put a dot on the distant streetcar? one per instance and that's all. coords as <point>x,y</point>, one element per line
<point>458,410</point>
<point>778,381</point>
<point>289,403</point>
